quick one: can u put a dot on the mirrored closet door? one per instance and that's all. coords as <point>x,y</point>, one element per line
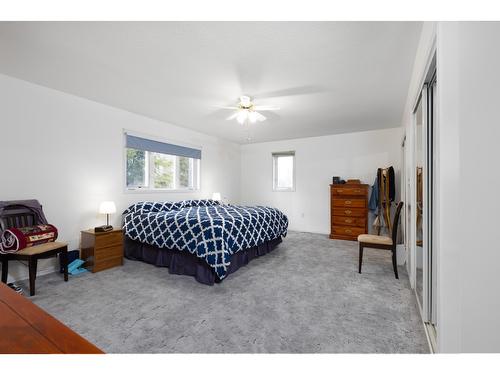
<point>418,220</point>
<point>420,202</point>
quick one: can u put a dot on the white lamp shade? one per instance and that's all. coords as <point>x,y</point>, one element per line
<point>216,196</point>
<point>107,207</point>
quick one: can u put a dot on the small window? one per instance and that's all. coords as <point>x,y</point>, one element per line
<point>155,165</point>
<point>284,171</point>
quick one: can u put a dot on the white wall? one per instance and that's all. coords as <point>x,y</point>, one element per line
<point>469,133</point>
<point>67,152</point>
<point>354,155</point>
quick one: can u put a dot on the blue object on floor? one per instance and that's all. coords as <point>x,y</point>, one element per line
<point>74,267</point>
<point>79,271</point>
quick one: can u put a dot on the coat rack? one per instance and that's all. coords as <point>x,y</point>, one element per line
<point>384,199</point>
<point>420,204</point>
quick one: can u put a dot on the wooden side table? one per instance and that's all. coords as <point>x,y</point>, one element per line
<point>27,329</point>
<point>102,250</point>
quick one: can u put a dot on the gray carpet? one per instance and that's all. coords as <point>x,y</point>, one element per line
<point>304,297</point>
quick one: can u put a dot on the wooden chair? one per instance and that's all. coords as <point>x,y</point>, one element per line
<point>17,217</point>
<point>382,242</point>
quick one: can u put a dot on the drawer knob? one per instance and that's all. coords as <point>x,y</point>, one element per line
<point>348,231</point>
<point>348,220</point>
<point>348,212</point>
<point>347,202</point>
<point>357,191</point>
<point>339,190</point>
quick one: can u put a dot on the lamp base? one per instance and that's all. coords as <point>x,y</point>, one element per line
<point>103,228</point>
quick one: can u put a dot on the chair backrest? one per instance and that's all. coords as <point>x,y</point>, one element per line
<point>396,223</point>
<point>17,216</point>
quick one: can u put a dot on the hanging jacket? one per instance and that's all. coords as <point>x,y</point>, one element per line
<point>373,203</point>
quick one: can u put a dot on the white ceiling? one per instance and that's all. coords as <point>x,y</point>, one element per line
<point>344,76</point>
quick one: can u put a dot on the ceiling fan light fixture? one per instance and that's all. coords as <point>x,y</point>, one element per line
<point>246,111</point>
<point>245,101</point>
<point>252,116</point>
<point>242,116</point>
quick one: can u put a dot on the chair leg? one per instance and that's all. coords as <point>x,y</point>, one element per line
<point>394,263</point>
<point>5,270</point>
<point>64,259</point>
<point>360,256</point>
<point>32,264</point>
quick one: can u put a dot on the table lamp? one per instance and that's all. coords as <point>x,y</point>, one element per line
<point>106,207</point>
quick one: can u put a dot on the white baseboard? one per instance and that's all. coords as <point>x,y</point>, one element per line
<point>18,271</point>
<point>400,254</point>
<point>309,231</point>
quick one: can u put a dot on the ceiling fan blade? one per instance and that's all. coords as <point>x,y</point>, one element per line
<point>225,107</point>
<point>248,76</point>
<point>260,117</point>
<point>266,108</point>
<point>217,114</point>
<point>272,116</point>
<point>233,116</point>
<point>299,90</point>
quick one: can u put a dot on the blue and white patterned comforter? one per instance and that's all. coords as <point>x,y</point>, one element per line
<point>205,228</point>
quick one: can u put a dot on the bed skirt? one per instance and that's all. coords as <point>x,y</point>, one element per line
<point>185,263</point>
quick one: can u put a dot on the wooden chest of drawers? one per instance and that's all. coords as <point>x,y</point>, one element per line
<point>102,250</point>
<point>349,211</point>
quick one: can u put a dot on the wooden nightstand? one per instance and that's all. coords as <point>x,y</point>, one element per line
<point>102,250</point>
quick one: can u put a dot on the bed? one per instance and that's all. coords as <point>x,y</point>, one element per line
<point>201,238</point>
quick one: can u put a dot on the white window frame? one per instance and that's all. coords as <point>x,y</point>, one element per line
<point>275,156</point>
<point>195,177</point>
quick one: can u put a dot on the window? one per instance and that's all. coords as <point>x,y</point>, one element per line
<point>160,166</point>
<point>284,171</point>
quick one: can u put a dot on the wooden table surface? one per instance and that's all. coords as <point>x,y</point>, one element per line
<point>27,329</point>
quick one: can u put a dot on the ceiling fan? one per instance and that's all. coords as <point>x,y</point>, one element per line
<point>246,111</point>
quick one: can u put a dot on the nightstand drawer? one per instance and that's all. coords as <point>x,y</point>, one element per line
<point>109,239</point>
<point>104,253</point>
<point>101,251</point>
<point>108,263</point>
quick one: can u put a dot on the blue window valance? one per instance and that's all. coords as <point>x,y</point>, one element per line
<point>144,144</point>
